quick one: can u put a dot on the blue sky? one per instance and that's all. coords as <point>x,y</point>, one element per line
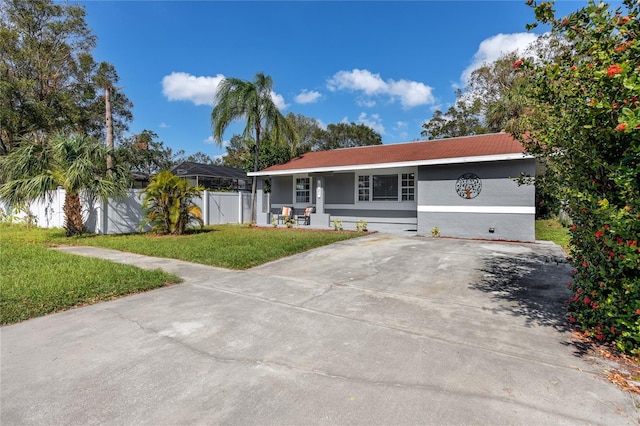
<point>388,65</point>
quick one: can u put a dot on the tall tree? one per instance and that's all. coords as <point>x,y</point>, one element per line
<point>492,101</point>
<point>238,152</point>
<point>48,74</point>
<point>499,91</point>
<point>202,158</point>
<point>250,100</point>
<point>307,128</point>
<point>143,154</point>
<point>74,163</point>
<point>344,135</point>
<point>463,119</point>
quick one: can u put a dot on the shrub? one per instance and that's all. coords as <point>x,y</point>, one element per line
<point>584,121</point>
<point>361,226</point>
<point>168,204</point>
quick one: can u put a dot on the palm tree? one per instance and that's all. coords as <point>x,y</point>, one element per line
<point>168,204</point>
<point>251,100</point>
<point>75,163</point>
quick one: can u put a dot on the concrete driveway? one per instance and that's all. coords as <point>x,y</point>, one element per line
<point>379,330</point>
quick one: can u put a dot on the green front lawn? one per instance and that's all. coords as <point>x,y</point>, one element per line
<point>35,280</point>
<point>552,230</point>
<point>226,246</point>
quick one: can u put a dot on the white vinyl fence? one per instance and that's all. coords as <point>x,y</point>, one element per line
<point>122,216</point>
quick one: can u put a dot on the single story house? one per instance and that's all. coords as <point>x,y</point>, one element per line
<point>462,187</point>
<point>215,178</point>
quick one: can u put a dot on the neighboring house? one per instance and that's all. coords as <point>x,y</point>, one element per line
<point>464,187</point>
<point>215,178</point>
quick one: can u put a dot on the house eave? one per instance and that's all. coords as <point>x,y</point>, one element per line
<point>434,162</point>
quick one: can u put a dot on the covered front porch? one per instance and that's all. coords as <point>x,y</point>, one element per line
<point>332,197</point>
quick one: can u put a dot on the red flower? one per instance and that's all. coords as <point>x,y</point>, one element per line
<point>599,234</point>
<point>621,127</point>
<point>572,319</point>
<point>517,63</point>
<point>626,19</point>
<point>638,311</point>
<point>587,300</point>
<point>607,227</point>
<point>574,227</point>
<point>613,330</point>
<point>613,70</point>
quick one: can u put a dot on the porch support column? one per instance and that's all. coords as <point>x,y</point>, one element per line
<point>319,195</point>
<point>262,212</point>
<point>320,219</point>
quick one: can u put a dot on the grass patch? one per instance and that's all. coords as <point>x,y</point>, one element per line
<point>35,280</point>
<point>552,230</point>
<point>226,246</point>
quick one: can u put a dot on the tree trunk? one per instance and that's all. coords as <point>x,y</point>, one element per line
<point>254,182</point>
<point>73,223</point>
<point>109,125</point>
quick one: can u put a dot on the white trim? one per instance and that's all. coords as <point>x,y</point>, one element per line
<point>295,189</point>
<point>477,209</point>
<point>439,161</point>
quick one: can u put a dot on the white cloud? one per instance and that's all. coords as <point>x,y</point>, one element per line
<point>279,101</point>
<point>180,86</point>
<point>209,140</point>
<point>401,125</point>
<point>163,125</point>
<point>201,90</point>
<point>374,121</point>
<point>358,80</point>
<point>496,46</point>
<point>307,96</point>
<point>410,93</point>
<point>367,103</point>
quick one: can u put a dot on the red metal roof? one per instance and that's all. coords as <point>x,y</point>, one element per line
<point>469,146</point>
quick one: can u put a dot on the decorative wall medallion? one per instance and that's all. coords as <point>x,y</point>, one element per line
<point>468,186</point>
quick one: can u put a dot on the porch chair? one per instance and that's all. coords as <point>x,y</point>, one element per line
<point>306,218</point>
<point>284,214</point>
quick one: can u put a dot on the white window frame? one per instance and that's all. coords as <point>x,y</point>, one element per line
<point>410,188</point>
<point>400,195</point>
<point>308,190</point>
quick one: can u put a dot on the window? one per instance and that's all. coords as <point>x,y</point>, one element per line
<point>391,187</point>
<point>408,187</point>
<point>303,190</point>
<point>363,188</point>
<point>385,188</point>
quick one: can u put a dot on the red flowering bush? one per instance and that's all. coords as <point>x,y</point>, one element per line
<point>585,123</point>
<point>614,69</point>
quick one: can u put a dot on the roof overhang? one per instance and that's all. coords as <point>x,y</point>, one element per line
<point>434,162</point>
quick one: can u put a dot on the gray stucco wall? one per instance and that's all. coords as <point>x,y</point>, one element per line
<point>282,190</point>
<point>502,206</point>
<point>339,188</point>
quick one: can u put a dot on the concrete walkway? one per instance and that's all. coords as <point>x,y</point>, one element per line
<point>379,330</point>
